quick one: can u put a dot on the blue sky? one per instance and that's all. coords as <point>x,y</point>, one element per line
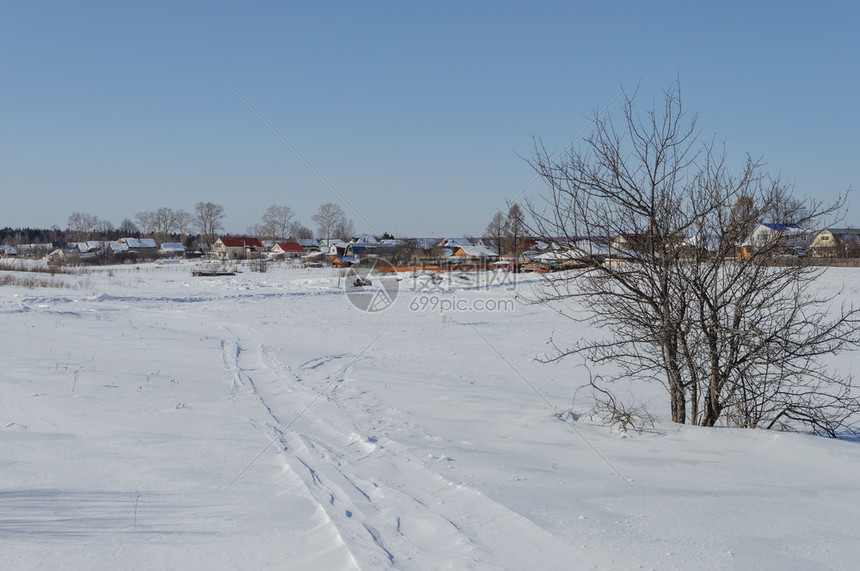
<point>418,113</point>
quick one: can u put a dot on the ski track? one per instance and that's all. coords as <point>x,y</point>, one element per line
<point>390,510</point>
<point>242,364</point>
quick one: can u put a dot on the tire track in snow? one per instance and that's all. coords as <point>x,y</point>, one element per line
<point>391,509</point>
<point>251,369</point>
<point>244,366</point>
<point>420,517</point>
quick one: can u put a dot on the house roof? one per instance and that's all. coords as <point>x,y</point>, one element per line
<point>86,246</point>
<point>476,252</point>
<point>116,246</point>
<point>783,227</point>
<point>173,246</point>
<point>581,249</point>
<point>290,247</point>
<point>241,242</point>
<point>333,242</point>
<point>425,243</point>
<point>843,231</point>
<point>456,242</point>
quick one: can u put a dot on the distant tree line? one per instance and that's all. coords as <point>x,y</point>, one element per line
<point>203,225</point>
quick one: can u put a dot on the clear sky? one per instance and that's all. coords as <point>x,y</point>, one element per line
<point>418,113</point>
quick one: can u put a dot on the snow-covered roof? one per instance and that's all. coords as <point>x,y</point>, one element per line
<point>116,246</point>
<point>333,242</point>
<point>581,249</point>
<point>172,247</point>
<point>364,240</point>
<point>456,242</point>
<point>426,243</point>
<point>476,252</point>
<point>86,246</point>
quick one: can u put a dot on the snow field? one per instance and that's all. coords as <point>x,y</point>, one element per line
<point>151,419</point>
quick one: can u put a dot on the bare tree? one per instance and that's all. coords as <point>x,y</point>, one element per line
<point>82,225</point>
<point>330,220</point>
<point>183,222</point>
<point>344,230</point>
<point>277,223</point>
<point>128,228</point>
<point>104,228</point>
<point>739,340</point>
<point>164,223</point>
<point>209,219</point>
<point>302,232</point>
<point>495,231</point>
<point>256,230</point>
<point>515,224</point>
<point>146,222</point>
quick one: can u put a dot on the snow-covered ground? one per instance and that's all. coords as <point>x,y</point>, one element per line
<point>151,419</point>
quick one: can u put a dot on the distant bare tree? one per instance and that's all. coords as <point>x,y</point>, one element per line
<point>128,228</point>
<point>145,222</point>
<point>495,231</point>
<point>329,220</point>
<point>104,228</point>
<point>277,223</point>
<point>256,231</point>
<point>183,223</point>
<point>209,219</point>
<point>344,230</point>
<point>738,340</point>
<point>82,225</point>
<point>302,232</point>
<point>164,223</point>
<point>515,225</point>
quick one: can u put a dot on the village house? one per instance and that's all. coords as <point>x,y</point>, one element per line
<point>237,248</point>
<point>171,249</point>
<point>790,238</point>
<point>475,254</point>
<point>88,246</point>
<point>836,242</point>
<point>288,250</point>
<point>333,247</point>
<point>143,246</point>
<point>342,261</point>
<point>34,250</point>
<point>309,244</point>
